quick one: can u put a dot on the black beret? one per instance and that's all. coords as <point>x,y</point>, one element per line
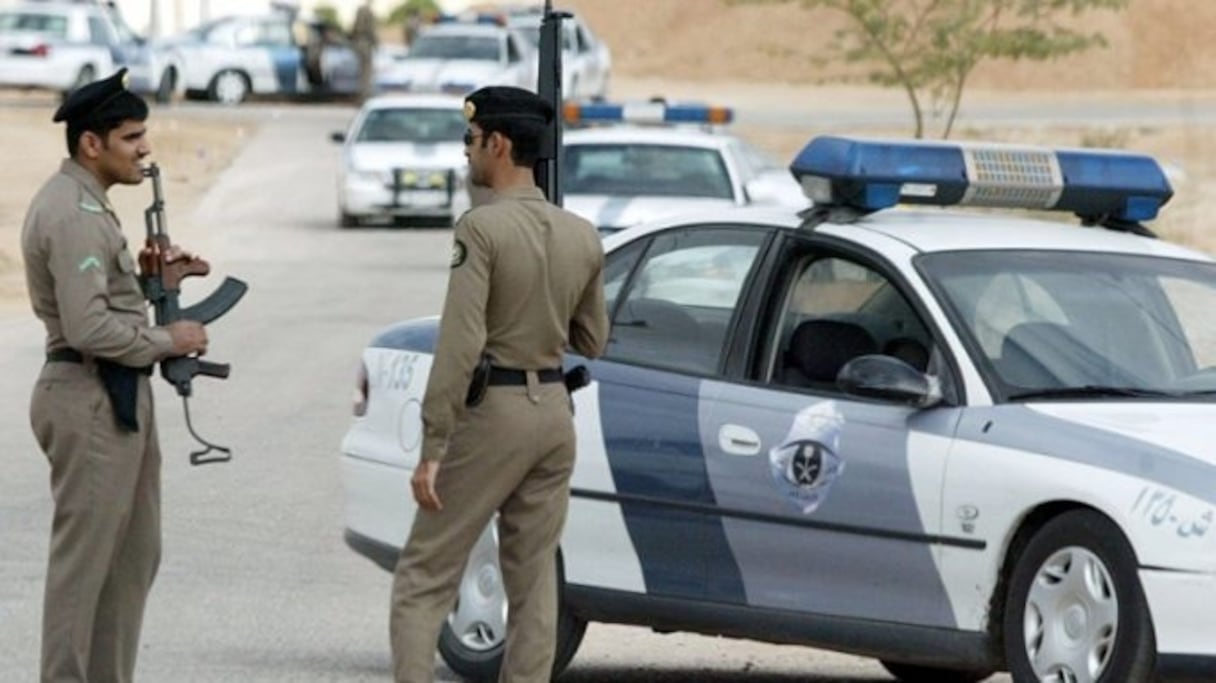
<point>506,102</point>
<point>102,100</point>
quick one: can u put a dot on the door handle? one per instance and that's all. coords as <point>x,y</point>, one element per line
<point>738,440</point>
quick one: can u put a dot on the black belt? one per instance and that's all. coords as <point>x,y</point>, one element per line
<point>518,378</point>
<point>70,355</point>
<point>64,355</point>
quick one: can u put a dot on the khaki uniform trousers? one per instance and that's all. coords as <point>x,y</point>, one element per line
<point>105,537</point>
<point>513,453</point>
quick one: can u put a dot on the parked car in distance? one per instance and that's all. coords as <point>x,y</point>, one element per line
<point>632,163</point>
<point>956,442</point>
<point>458,56</point>
<point>403,161</point>
<point>232,58</point>
<point>60,46</point>
<point>586,60</point>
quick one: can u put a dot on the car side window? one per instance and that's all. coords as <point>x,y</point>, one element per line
<point>836,309</point>
<point>678,305</point>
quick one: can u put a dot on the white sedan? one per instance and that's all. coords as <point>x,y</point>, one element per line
<point>956,442</point>
<point>459,57</point>
<point>662,161</point>
<point>403,160</point>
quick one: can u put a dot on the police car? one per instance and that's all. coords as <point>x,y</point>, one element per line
<point>459,55</point>
<point>228,59</point>
<point>638,162</point>
<point>403,159</point>
<point>955,441</point>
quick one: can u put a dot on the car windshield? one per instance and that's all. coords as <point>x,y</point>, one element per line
<point>55,25</point>
<point>1045,324</point>
<point>634,170</point>
<point>412,125</point>
<point>485,48</point>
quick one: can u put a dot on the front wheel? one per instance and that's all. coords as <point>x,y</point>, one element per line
<point>1075,611</point>
<point>473,639</point>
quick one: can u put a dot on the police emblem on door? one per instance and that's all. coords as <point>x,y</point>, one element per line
<point>807,462</point>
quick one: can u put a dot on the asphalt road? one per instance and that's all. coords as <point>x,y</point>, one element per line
<point>256,584</point>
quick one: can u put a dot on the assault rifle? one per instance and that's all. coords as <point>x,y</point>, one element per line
<point>549,87</point>
<point>162,288</point>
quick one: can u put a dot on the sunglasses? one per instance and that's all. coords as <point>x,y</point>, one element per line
<point>470,136</point>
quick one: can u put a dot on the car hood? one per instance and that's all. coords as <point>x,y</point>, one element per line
<point>1184,428</point>
<point>437,74</point>
<point>607,211</point>
<point>385,155</point>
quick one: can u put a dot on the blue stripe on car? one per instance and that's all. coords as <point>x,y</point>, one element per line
<point>652,435</point>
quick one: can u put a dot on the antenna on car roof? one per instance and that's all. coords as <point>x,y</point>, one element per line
<point>549,87</point>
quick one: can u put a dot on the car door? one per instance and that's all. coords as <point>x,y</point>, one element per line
<point>672,298</point>
<point>829,503</point>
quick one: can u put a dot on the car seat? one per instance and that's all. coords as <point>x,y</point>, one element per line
<point>819,348</point>
<point>909,350</point>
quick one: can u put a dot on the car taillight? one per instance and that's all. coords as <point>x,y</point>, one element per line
<point>359,398</point>
<point>43,50</point>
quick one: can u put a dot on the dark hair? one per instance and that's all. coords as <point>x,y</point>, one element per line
<point>525,136</point>
<point>127,108</point>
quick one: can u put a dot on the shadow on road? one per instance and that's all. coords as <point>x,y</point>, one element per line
<point>615,674</point>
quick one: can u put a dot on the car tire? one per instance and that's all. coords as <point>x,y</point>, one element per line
<point>86,75</point>
<point>473,638</point>
<point>347,220</point>
<point>1074,601</point>
<point>167,86</point>
<point>914,673</point>
<point>228,87</point>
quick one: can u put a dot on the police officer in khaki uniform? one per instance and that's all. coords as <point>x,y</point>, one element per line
<point>526,283</point>
<point>91,409</point>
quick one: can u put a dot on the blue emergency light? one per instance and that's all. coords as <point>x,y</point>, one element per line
<point>646,113</point>
<point>870,175</point>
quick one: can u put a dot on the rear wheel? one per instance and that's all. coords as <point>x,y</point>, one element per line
<point>1075,611</point>
<point>85,76</point>
<point>473,638</point>
<point>912,673</point>
<point>229,87</point>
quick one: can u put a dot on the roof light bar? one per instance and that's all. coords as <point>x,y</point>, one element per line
<point>876,174</point>
<point>646,112</point>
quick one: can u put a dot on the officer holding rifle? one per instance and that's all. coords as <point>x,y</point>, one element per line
<point>91,409</point>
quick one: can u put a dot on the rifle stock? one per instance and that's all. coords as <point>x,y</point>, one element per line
<point>162,287</point>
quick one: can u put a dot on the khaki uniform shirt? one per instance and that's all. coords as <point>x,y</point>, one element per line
<point>526,283</point>
<point>81,276</point>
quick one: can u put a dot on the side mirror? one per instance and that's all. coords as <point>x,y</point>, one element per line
<point>888,378</point>
<point>338,136</point>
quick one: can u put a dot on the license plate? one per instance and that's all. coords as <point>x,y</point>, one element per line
<point>422,198</point>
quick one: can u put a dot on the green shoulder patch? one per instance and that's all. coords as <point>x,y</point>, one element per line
<point>459,253</point>
<point>89,262</point>
<point>91,207</point>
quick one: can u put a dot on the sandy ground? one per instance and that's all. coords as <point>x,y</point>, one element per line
<point>190,152</point>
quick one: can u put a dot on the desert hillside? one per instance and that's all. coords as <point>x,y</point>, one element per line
<point>1153,44</point>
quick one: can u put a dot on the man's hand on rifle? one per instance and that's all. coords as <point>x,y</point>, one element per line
<point>189,336</point>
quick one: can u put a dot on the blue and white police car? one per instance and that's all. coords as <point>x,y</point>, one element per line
<point>403,160</point>
<point>638,162</point>
<point>955,441</point>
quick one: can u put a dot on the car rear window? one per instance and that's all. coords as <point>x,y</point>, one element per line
<point>50,24</point>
